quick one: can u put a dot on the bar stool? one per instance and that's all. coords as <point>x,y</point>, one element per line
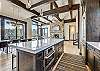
<point>14,53</point>
<point>23,40</point>
<point>3,45</point>
<point>13,57</point>
<point>29,39</point>
<point>16,41</point>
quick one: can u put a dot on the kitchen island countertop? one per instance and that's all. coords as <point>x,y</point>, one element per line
<point>37,45</point>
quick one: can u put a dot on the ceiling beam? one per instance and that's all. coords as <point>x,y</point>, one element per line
<point>9,18</point>
<point>39,21</point>
<point>19,3</point>
<point>47,19</point>
<point>42,17</point>
<point>41,2</point>
<point>70,3</point>
<point>55,4</point>
<point>56,15</point>
<point>62,9</point>
<point>70,20</point>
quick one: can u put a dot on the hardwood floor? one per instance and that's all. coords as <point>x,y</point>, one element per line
<point>5,62</point>
<point>70,62</point>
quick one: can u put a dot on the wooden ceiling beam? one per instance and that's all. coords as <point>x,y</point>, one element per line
<point>19,3</point>
<point>62,9</point>
<point>55,4</point>
<point>56,15</point>
<point>9,18</point>
<point>42,17</point>
<point>39,21</point>
<point>58,10</point>
<point>70,3</point>
<point>70,20</point>
<point>41,2</point>
<point>47,19</point>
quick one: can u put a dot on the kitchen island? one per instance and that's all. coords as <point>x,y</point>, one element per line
<point>38,55</point>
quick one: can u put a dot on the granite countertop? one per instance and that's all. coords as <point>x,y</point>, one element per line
<point>95,44</point>
<point>37,45</point>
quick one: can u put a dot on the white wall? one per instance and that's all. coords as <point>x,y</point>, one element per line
<point>66,29</point>
<point>29,28</point>
<point>83,28</point>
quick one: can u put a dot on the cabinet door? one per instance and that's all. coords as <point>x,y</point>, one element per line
<point>60,49</point>
<point>40,61</point>
<point>90,59</point>
<point>97,62</point>
<point>56,53</point>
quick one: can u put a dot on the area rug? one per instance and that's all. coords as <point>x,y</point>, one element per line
<point>70,62</point>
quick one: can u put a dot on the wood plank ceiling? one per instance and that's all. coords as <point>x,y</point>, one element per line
<point>58,8</point>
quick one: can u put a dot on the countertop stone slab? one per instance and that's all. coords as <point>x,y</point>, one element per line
<point>37,45</point>
<point>95,44</point>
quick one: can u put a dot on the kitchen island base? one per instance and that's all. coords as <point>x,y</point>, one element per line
<point>40,61</point>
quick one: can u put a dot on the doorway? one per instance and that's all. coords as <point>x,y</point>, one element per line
<point>71,32</point>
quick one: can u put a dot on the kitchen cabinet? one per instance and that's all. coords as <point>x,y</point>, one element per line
<point>83,51</point>
<point>90,58</point>
<point>97,60</point>
<point>93,56</point>
<point>58,50</point>
<point>40,57</point>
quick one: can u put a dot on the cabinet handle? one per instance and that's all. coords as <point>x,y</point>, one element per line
<point>46,57</point>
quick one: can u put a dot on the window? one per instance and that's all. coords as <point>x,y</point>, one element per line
<point>45,31</point>
<point>20,31</point>
<point>14,30</point>
<point>34,30</point>
<point>10,30</point>
<point>39,31</point>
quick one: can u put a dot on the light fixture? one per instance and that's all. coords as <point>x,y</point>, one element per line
<point>28,5</point>
<point>41,13</point>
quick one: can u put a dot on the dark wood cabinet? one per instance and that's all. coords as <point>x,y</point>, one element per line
<point>97,60</point>
<point>90,58</point>
<point>40,61</point>
<point>83,51</point>
<point>58,50</point>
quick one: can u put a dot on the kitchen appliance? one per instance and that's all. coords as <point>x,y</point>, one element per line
<point>49,57</point>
